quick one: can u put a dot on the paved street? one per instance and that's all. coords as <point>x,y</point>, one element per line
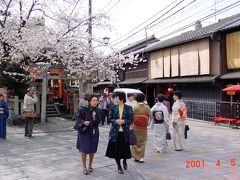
<point>52,155</point>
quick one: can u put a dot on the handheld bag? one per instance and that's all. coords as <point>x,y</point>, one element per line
<point>168,136</point>
<point>132,137</point>
<point>29,114</point>
<point>82,129</point>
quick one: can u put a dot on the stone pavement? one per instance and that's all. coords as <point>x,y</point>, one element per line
<point>52,155</point>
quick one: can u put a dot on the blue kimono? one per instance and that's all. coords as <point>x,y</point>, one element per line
<point>87,142</point>
<point>4,113</point>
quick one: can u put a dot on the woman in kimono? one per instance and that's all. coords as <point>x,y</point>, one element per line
<point>89,117</point>
<point>121,117</point>
<point>178,121</point>
<point>142,114</point>
<point>4,113</point>
<point>160,124</point>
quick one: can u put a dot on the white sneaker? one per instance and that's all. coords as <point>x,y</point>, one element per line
<point>141,160</point>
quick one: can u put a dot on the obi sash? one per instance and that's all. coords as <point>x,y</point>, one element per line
<point>140,121</point>
<point>183,113</point>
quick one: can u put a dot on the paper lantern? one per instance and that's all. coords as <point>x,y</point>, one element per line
<point>170,90</point>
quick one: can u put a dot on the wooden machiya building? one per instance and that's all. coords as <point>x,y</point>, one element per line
<point>199,63</point>
<point>135,74</point>
<point>132,75</point>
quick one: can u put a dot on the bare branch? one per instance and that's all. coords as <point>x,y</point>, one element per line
<point>75,27</point>
<point>2,25</point>
<point>71,29</point>
<point>45,14</point>
<point>23,22</point>
<point>20,8</point>
<point>30,10</point>
<point>6,12</point>
<point>4,2</point>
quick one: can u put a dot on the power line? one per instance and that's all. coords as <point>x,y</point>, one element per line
<point>108,4</point>
<point>182,12</point>
<point>126,5</point>
<point>144,22</point>
<point>189,25</point>
<point>171,15</point>
<point>112,6</point>
<point>157,19</point>
<point>188,17</point>
<point>203,19</point>
<point>74,7</point>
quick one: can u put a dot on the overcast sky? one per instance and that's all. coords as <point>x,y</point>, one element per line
<point>128,14</point>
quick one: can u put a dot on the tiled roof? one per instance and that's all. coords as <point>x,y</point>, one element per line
<point>198,79</point>
<point>231,75</point>
<point>104,83</point>
<point>222,24</point>
<point>139,44</point>
<point>230,25</point>
<point>133,81</point>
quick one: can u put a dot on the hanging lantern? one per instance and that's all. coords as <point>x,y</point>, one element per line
<point>170,90</point>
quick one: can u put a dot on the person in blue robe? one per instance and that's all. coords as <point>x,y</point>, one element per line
<point>4,113</point>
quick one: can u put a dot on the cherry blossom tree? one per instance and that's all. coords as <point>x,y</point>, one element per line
<point>28,41</point>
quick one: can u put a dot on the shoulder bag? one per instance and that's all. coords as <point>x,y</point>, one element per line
<point>132,137</point>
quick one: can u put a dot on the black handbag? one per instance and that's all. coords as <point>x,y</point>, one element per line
<point>132,137</point>
<point>168,136</point>
<point>82,129</point>
<point>186,130</point>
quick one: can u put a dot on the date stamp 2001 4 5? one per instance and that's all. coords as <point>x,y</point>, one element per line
<point>201,163</point>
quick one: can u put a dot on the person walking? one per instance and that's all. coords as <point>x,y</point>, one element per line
<point>103,106</point>
<point>160,124</point>
<point>83,101</point>
<point>131,100</point>
<point>89,118</point>
<point>167,104</point>
<point>179,111</point>
<point>121,117</point>
<point>30,99</point>
<point>4,113</point>
<point>142,114</point>
<point>110,103</point>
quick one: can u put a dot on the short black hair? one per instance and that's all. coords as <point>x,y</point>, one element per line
<point>130,94</point>
<point>121,95</point>
<point>178,94</point>
<point>161,98</point>
<point>91,96</point>
<point>139,97</point>
<point>85,96</point>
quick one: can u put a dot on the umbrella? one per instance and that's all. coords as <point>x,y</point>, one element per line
<point>233,88</point>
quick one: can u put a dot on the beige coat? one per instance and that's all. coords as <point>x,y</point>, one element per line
<point>28,102</point>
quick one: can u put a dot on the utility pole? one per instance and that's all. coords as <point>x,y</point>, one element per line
<point>90,86</point>
<point>89,46</point>
<point>90,24</point>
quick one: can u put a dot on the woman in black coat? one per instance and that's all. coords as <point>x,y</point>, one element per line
<point>89,118</point>
<point>121,117</point>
